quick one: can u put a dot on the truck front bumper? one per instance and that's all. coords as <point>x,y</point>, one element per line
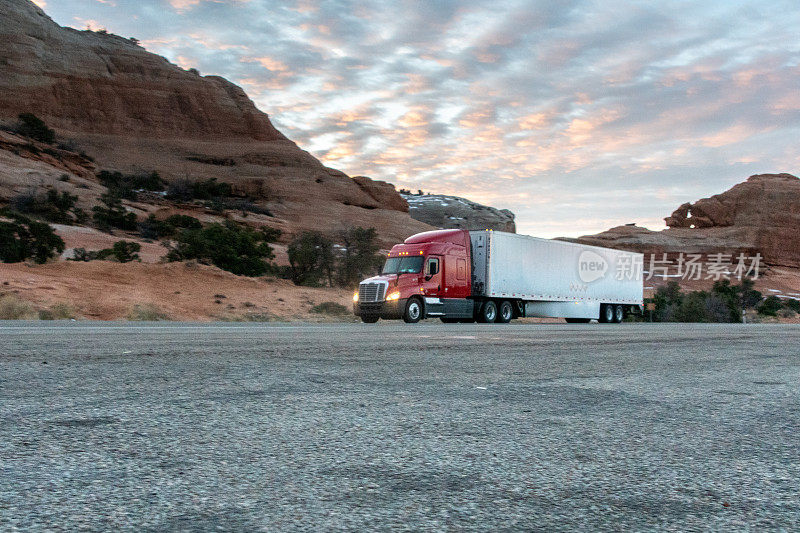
<point>388,310</point>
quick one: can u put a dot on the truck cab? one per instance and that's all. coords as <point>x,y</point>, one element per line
<point>428,275</point>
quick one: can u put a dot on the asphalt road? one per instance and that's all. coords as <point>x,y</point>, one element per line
<point>171,427</point>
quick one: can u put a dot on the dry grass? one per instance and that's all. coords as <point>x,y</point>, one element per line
<point>330,308</point>
<point>147,313</point>
<point>12,308</point>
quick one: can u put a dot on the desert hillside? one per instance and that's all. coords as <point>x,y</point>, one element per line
<point>133,111</point>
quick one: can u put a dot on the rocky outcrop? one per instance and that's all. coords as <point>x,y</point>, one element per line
<point>91,82</point>
<point>55,157</point>
<point>382,192</point>
<point>133,111</point>
<point>453,212</point>
<point>761,215</point>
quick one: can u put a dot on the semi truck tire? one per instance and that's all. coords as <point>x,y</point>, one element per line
<point>619,314</point>
<point>606,314</point>
<point>488,313</point>
<point>505,313</point>
<point>369,319</point>
<point>413,311</point>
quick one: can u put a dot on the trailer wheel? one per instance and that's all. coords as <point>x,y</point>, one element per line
<point>619,314</point>
<point>413,311</point>
<point>506,312</point>
<point>488,313</point>
<point>606,314</point>
<point>369,319</point>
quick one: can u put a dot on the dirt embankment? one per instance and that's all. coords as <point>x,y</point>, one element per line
<point>103,290</point>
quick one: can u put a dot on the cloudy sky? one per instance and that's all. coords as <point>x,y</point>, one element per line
<point>577,115</point>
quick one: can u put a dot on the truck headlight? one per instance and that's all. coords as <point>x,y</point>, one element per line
<point>393,296</point>
<point>355,297</point>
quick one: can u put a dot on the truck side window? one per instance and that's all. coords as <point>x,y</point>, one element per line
<point>433,266</point>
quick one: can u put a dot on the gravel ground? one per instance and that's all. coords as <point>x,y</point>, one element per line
<point>171,427</point>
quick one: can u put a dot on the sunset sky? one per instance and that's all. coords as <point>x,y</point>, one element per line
<point>576,115</point>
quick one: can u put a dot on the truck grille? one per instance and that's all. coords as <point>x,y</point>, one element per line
<point>371,292</point>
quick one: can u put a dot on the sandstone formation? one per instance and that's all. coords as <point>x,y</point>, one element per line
<point>383,193</point>
<point>133,111</point>
<point>453,212</point>
<point>761,215</point>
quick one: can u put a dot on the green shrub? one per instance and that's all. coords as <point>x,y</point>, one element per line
<point>126,251</point>
<point>187,190</point>
<point>311,259</point>
<point>12,308</point>
<point>32,126</point>
<point>152,228</point>
<point>184,222</point>
<point>724,303</point>
<point>23,238</point>
<point>126,185</point>
<point>232,247</point>
<point>794,305</point>
<point>52,206</point>
<point>112,214</point>
<point>770,306</point>
<point>147,313</point>
<point>121,251</point>
<point>360,258</point>
<point>330,308</point>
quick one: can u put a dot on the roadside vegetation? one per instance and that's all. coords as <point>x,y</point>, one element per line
<point>147,313</point>
<point>314,259</point>
<point>233,247</point>
<point>22,238</point>
<point>723,303</point>
<point>330,308</point>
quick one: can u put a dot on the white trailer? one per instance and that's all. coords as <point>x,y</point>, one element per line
<point>551,278</point>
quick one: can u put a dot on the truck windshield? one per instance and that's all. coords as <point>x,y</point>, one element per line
<point>403,265</point>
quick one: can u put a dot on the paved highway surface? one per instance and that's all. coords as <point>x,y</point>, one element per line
<point>171,427</point>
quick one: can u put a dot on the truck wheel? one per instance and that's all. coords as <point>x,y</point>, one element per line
<point>488,313</point>
<point>506,313</point>
<point>369,319</point>
<point>413,311</point>
<point>619,314</point>
<point>606,314</point>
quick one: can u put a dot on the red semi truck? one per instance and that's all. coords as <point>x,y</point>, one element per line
<point>489,276</point>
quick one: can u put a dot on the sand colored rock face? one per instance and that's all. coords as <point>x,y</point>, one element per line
<point>99,83</point>
<point>761,215</point>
